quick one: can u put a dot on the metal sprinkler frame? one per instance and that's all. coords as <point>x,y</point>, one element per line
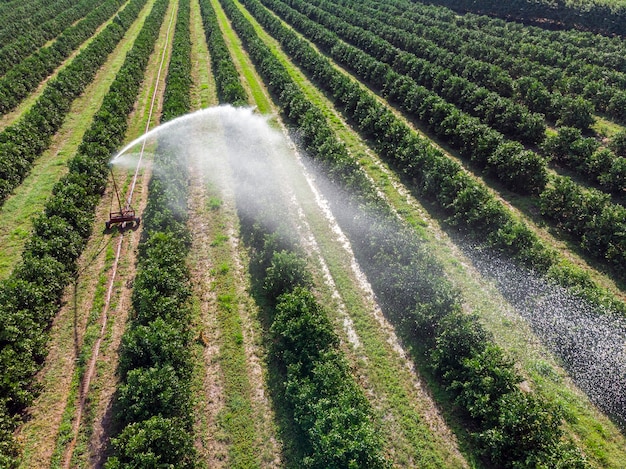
<point>124,215</point>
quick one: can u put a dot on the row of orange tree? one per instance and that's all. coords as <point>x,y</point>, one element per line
<point>31,296</point>
<point>500,113</point>
<point>600,165</point>
<point>154,407</point>
<point>24,76</point>
<point>423,37</point>
<point>601,17</point>
<point>603,222</point>
<point>229,89</point>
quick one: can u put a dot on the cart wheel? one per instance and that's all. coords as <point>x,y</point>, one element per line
<point>108,225</point>
<point>137,220</point>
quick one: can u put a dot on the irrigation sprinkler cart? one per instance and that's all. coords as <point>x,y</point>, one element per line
<point>125,215</point>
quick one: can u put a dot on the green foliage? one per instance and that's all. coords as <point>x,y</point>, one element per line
<point>601,16</point>
<point>434,175</point>
<point>382,66</point>
<point>583,154</point>
<point>575,111</point>
<point>561,74</point>
<point>589,216</point>
<point>287,271</point>
<point>330,412</point>
<point>153,391</point>
<point>158,442</point>
<point>334,414</point>
<point>618,143</point>
<point>328,405</point>
<point>301,329</point>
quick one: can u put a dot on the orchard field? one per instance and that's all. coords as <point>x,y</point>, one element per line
<point>373,234</point>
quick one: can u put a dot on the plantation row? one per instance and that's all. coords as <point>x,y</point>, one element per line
<point>411,287</point>
<point>14,52</point>
<point>229,88</point>
<point>523,171</point>
<point>603,168</point>
<point>600,17</point>
<point>600,166</point>
<point>410,37</point>
<point>602,86</point>
<point>31,296</point>
<point>602,222</point>
<point>154,408</point>
<point>23,142</point>
<point>29,16</point>
<point>23,77</point>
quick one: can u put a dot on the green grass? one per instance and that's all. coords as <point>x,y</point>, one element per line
<point>236,418</point>
<point>605,128</point>
<point>203,89</point>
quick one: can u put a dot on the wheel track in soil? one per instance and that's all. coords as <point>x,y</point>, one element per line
<point>91,368</point>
